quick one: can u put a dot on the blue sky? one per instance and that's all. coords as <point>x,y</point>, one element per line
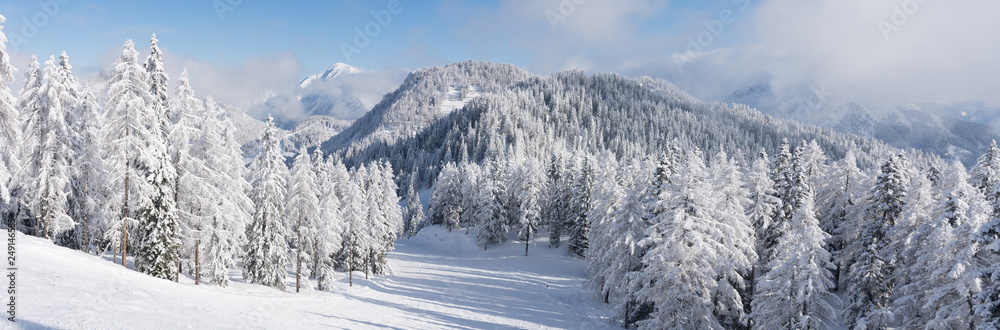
<point>941,51</point>
<point>423,33</point>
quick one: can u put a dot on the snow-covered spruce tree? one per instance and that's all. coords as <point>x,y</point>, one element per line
<point>763,203</point>
<point>781,175</point>
<point>49,151</point>
<point>303,213</point>
<point>225,234</point>
<point>331,226</point>
<point>9,132</point>
<point>837,199</point>
<point>70,99</point>
<point>90,193</point>
<point>385,214</point>
<point>581,203</point>
<point>686,252</point>
<point>158,230</point>
<point>908,237</point>
<point>468,188</point>
<point>814,163</point>
<point>554,212</point>
<point>530,186</point>
<point>158,79</point>
<point>357,237</point>
<point>445,203</point>
<point>493,228</point>
<point>607,199</point>
<point>732,297</point>
<point>266,251</point>
<point>945,266</point>
<point>795,293</point>
<point>869,279</point>
<point>132,142</point>
<point>414,212</point>
<point>189,140</point>
<point>986,177</point>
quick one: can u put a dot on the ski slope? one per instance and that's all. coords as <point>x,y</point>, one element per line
<point>439,280</point>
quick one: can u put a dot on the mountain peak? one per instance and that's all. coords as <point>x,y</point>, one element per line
<point>333,72</point>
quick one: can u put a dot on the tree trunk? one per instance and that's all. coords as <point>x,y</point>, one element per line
<point>298,254</point>
<point>86,234</point>
<point>368,263</point>
<point>128,165</point>
<point>350,273</point>
<point>177,276</point>
<point>607,294</point>
<point>197,262</point>
<point>527,239</point>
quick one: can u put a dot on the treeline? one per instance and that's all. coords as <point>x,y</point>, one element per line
<point>684,240</point>
<point>161,178</point>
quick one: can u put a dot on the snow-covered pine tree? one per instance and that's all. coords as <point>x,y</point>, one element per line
<point>781,175</point>
<point>468,187</point>
<point>554,211</point>
<point>414,216</point>
<point>985,175</point>
<point>686,252</point>
<point>581,204</point>
<point>945,269</point>
<point>795,294</point>
<point>49,151</point>
<point>869,279</point>
<point>158,79</point>
<point>331,226</point>
<point>266,251</point>
<point>530,188</point>
<point>837,199</point>
<point>158,230</point>
<point>90,193</point>
<point>493,228</point>
<point>9,131</point>
<point>814,163</point>
<point>445,203</point>
<point>732,297</point>
<point>189,140</point>
<point>988,237</point>
<point>130,129</point>
<point>356,234</point>
<point>389,219</point>
<point>908,237</point>
<point>303,213</point>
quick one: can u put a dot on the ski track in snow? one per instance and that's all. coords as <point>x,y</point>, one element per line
<point>438,279</point>
<point>453,100</point>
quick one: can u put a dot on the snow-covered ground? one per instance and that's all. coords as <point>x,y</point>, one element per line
<point>454,100</point>
<point>439,279</point>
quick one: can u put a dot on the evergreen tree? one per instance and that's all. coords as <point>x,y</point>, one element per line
<point>493,228</point>
<point>133,147</point>
<point>870,280</point>
<point>781,175</point>
<point>682,266</point>
<point>445,203</point>
<point>582,203</point>
<point>9,130</point>
<point>945,266</point>
<point>795,294</point>
<point>266,251</point>
<point>303,213</point>
<point>838,202</point>
<point>908,237</point>
<point>90,193</point>
<point>158,85</point>
<point>732,297</point>
<point>331,227</point>
<point>986,177</point>
<point>356,234</point>
<point>530,188</point>
<point>49,151</point>
<point>157,254</point>
<point>555,204</point>
<point>414,216</point>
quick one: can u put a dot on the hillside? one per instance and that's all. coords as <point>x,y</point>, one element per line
<point>542,115</point>
<point>439,279</point>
